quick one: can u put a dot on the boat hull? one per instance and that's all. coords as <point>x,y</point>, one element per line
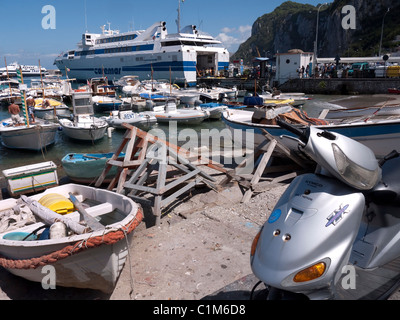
<point>35,137</point>
<point>387,110</point>
<point>95,266</point>
<point>180,119</point>
<point>85,132</point>
<point>86,168</point>
<point>96,269</point>
<point>142,123</point>
<point>381,137</point>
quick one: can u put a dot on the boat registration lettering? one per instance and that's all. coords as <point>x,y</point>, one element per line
<point>107,70</point>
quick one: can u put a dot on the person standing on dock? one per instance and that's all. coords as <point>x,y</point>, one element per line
<point>14,110</point>
<point>31,108</point>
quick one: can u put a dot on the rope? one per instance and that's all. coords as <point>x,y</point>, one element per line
<point>107,238</point>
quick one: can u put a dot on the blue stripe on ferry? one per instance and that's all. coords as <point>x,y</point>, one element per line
<point>164,66</point>
<point>157,67</point>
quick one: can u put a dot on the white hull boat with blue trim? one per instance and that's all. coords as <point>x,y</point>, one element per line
<point>380,134</point>
<point>149,54</point>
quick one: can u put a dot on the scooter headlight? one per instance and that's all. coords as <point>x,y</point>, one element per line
<point>355,175</point>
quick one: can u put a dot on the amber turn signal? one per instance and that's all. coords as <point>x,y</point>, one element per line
<point>310,273</point>
<point>254,244</point>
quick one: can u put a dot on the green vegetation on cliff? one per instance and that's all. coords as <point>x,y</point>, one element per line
<point>293,25</point>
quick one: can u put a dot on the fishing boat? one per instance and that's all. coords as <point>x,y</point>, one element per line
<point>380,134</point>
<point>142,120</point>
<point>154,53</point>
<point>84,126</point>
<point>35,136</point>
<point>105,104</point>
<point>99,86</point>
<point>135,103</point>
<point>88,255</point>
<point>9,90</point>
<point>87,167</point>
<point>52,110</point>
<point>170,112</point>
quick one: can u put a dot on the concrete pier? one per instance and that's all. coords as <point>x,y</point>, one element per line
<point>341,86</point>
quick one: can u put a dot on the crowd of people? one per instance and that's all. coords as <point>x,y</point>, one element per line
<point>325,70</point>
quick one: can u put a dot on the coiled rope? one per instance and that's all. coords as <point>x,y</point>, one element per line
<point>107,238</point>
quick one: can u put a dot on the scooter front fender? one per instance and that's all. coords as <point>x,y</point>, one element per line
<point>316,220</point>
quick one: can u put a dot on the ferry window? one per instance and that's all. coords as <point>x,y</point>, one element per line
<point>287,61</point>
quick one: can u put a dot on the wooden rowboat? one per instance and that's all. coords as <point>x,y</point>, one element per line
<point>85,256</point>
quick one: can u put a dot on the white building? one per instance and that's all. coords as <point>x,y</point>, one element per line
<point>288,64</point>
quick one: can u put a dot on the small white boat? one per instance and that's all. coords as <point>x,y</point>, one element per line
<point>215,109</point>
<point>170,112</point>
<point>216,93</point>
<point>85,126</point>
<point>9,89</point>
<point>90,255</point>
<point>141,120</point>
<point>136,103</point>
<point>35,136</point>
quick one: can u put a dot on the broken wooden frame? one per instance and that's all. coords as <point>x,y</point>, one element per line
<point>262,154</point>
<point>146,153</point>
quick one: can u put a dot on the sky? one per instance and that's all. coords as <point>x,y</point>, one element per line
<point>30,36</point>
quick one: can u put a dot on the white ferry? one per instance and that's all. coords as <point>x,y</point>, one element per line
<point>27,70</point>
<point>148,54</point>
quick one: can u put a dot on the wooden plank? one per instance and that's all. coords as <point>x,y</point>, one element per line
<point>131,144</point>
<point>179,181</point>
<point>178,193</point>
<point>286,150</point>
<point>137,172</point>
<point>121,180</point>
<point>323,114</point>
<point>260,169</point>
<point>262,186</point>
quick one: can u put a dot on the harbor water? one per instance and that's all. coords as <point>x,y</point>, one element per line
<point>180,135</point>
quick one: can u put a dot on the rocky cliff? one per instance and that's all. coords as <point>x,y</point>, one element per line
<point>293,26</point>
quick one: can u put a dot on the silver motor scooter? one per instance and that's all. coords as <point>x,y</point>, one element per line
<point>333,234</point>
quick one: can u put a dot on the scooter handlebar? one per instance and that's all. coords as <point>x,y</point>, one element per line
<point>303,134</point>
